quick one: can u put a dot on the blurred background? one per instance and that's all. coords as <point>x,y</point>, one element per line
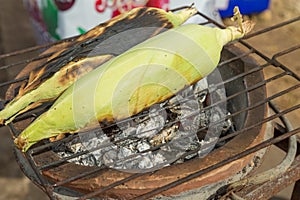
<point>17,32</point>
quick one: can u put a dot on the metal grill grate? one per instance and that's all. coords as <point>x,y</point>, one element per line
<point>273,65</point>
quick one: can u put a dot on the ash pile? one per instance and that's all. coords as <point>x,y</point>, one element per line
<point>184,127</point>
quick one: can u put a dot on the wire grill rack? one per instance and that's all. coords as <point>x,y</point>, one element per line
<point>280,67</point>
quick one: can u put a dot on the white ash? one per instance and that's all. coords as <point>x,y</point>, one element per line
<point>157,139</point>
<point>150,127</point>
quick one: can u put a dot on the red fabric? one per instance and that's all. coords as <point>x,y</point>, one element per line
<point>151,3</point>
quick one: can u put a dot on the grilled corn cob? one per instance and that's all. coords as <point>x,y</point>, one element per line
<point>49,80</point>
<point>148,73</point>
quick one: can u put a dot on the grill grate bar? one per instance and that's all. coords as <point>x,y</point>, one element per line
<point>64,160</point>
<point>272,61</point>
<point>24,61</point>
<point>79,176</point>
<point>12,81</point>
<point>262,122</point>
<point>35,48</point>
<point>235,58</point>
<point>287,51</point>
<point>210,20</point>
<point>103,189</point>
<point>271,28</point>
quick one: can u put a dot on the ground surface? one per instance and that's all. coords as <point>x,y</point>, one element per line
<point>16,33</point>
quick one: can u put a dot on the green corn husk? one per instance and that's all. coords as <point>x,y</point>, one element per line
<point>70,64</point>
<point>146,74</point>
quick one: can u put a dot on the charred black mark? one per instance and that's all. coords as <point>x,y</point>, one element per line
<point>145,17</point>
<point>77,70</point>
<point>69,75</point>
